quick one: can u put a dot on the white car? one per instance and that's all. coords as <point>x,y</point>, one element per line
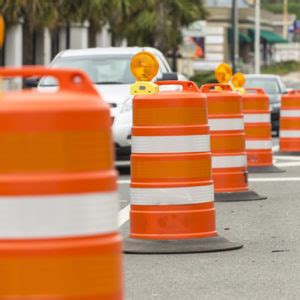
<point>109,69</point>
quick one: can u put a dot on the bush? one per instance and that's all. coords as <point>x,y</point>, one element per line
<point>281,68</point>
<point>203,78</point>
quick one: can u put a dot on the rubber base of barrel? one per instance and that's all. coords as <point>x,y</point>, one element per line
<point>287,153</point>
<point>238,196</point>
<point>265,169</point>
<point>200,245</point>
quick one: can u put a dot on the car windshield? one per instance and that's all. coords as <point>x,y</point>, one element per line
<point>101,69</point>
<point>270,85</point>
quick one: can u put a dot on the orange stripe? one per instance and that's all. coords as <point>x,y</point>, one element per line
<point>51,272</point>
<point>258,158</point>
<point>163,222</point>
<point>290,123</point>
<point>255,103</point>
<point>229,143</point>
<point>224,105</point>
<point>56,151</point>
<point>58,183</point>
<point>28,121</point>
<point>230,180</point>
<point>170,166</point>
<point>170,130</point>
<point>289,144</point>
<point>169,116</point>
<point>290,101</point>
<point>258,130</point>
<point>263,131</point>
<point>163,100</point>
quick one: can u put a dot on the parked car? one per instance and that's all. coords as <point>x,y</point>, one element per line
<point>109,70</point>
<point>274,88</point>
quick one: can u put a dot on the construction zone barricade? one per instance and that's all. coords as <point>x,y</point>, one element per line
<point>229,158</point>
<point>58,194</point>
<point>289,141</point>
<point>171,192</point>
<point>258,131</point>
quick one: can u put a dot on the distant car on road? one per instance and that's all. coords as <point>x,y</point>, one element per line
<point>109,70</point>
<point>274,88</point>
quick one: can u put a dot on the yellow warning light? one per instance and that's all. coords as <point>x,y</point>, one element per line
<point>2,31</point>
<point>223,73</point>
<point>238,80</point>
<point>144,66</point>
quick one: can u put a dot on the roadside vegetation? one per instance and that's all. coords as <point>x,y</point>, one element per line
<point>281,68</point>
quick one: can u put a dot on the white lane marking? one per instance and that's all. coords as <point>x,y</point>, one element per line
<point>288,164</point>
<point>124,215</point>
<point>295,158</point>
<point>272,179</point>
<point>122,163</point>
<point>171,144</point>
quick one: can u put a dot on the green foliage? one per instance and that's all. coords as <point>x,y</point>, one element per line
<point>276,6</point>
<point>281,68</point>
<point>204,77</point>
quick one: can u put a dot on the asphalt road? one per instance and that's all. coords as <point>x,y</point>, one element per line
<point>268,267</point>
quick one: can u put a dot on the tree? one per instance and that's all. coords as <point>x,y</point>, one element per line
<point>154,22</point>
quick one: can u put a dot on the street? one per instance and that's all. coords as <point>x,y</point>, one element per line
<point>268,266</point>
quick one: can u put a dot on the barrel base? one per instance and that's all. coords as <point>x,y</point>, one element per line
<point>200,245</point>
<point>238,196</point>
<point>265,169</point>
<point>291,153</point>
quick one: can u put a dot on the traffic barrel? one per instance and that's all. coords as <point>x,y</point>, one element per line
<point>289,141</point>
<point>258,130</point>
<point>171,193</point>
<point>229,158</point>
<point>58,202</point>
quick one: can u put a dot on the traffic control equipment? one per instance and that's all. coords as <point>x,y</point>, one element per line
<point>258,130</point>
<point>171,192</point>
<point>229,158</point>
<point>58,202</point>
<point>289,141</point>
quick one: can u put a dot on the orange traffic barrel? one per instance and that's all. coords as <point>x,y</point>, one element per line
<point>58,193</point>
<point>171,193</point>
<point>229,158</point>
<point>289,141</point>
<point>258,131</point>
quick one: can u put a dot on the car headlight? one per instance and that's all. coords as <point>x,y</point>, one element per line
<point>127,106</point>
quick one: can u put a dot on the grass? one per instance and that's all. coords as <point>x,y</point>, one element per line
<point>281,68</point>
<point>204,77</point>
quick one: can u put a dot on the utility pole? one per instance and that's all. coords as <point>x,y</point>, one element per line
<point>235,34</point>
<point>257,38</point>
<point>285,19</point>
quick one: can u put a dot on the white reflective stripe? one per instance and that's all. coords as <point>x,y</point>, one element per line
<point>257,118</point>
<point>232,161</point>
<point>172,196</point>
<point>226,124</point>
<point>170,144</point>
<point>58,215</point>
<point>290,133</point>
<point>290,113</point>
<point>258,145</point>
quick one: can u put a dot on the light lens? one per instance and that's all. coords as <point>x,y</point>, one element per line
<point>223,73</point>
<point>2,31</point>
<point>238,80</point>
<point>144,66</point>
